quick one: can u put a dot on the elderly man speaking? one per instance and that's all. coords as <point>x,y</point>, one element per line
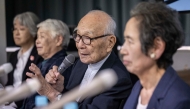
<point>94,37</point>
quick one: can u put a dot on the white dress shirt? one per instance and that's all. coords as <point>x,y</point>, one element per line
<point>139,105</point>
<point>90,73</point>
<point>21,63</point>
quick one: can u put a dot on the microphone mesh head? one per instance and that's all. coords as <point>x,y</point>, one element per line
<point>108,77</point>
<point>69,60</point>
<point>7,67</point>
<point>34,84</point>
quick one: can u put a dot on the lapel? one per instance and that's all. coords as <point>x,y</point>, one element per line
<point>108,63</point>
<point>77,74</point>
<point>133,98</point>
<point>80,68</point>
<point>163,86</point>
<point>28,63</point>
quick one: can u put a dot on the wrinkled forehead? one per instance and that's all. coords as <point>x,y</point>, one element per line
<point>91,24</point>
<point>43,31</point>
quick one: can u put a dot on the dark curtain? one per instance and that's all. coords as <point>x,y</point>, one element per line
<point>71,11</point>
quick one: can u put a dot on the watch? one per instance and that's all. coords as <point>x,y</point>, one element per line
<point>59,97</point>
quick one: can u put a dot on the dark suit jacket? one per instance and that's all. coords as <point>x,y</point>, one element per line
<point>13,60</point>
<point>111,99</point>
<point>170,93</point>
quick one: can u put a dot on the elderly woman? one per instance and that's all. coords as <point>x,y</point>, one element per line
<point>52,40</point>
<point>152,35</point>
<point>24,34</point>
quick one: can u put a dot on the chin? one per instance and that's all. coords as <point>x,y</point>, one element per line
<point>39,53</point>
<point>85,61</point>
<point>129,69</point>
<point>17,43</point>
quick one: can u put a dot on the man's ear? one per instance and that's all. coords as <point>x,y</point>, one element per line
<point>158,48</point>
<point>111,42</point>
<point>59,40</point>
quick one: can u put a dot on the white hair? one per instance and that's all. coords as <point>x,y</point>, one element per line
<point>29,20</point>
<point>110,26</point>
<point>56,28</point>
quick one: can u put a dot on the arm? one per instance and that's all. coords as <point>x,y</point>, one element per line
<point>46,89</point>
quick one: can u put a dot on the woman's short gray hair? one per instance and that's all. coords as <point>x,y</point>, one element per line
<point>29,20</point>
<point>56,28</point>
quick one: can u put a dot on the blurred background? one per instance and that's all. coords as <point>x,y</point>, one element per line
<point>71,11</point>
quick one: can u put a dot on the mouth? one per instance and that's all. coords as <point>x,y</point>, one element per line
<point>38,48</point>
<point>126,62</point>
<point>16,38</point>
<point>83,54</point>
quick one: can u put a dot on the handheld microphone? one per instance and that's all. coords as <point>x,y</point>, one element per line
<point>5,69</point>
<point>67,62</point>
<point>104,81</point>
<point>21,92</point>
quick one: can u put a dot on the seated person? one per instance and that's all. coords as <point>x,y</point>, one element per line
<point>94,37</point>
<point>24,34</point>
<point>152,36</point>
<point>52,40</point>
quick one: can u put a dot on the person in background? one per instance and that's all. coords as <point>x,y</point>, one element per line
<point>24,34</point>
<point>52,41</point>
<point>152,36</point>
<point>94,38</point>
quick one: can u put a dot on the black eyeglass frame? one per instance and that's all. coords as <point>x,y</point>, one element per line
<point>75,34</point>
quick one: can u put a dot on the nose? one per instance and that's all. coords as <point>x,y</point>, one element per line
<point>16,32</point>
<point>37,41</point>
<point>123,50</point>
<point>80,44</point>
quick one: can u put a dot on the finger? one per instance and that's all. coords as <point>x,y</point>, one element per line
<point>31,75</point>
<point>35,69</point>
<point>59,76</point>
<point>55,68</point>
<point>52,75</point>
<point>50,80</point>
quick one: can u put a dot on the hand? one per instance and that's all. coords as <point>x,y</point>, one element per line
<point>55,79</point>
<point>46,89</point>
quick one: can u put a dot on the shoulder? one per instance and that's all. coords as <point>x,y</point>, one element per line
<point>177,93</point>
<point>176,85</point>
<point>57,59</point>
<point>179,89</point>
<point>13,54</point>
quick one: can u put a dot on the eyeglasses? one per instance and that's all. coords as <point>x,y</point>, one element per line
<point>85,39</point>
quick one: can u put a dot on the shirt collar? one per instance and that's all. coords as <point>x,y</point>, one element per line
<point>27,53</point>
<point>96,66</point>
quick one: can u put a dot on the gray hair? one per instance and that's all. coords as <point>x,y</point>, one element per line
<point>29,20</point>
<point>56,27</point>
<point>110,26</point>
